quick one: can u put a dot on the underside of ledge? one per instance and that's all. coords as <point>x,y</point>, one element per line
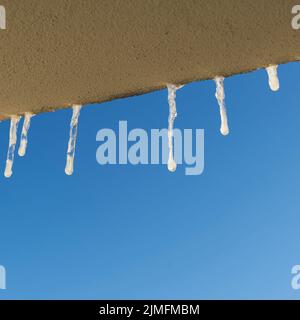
<point>57,53</point>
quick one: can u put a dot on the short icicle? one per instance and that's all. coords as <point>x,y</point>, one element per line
<point>24,134</point>
<point>172,115</point>
<point>220,95</point>
<point>273,77</point>
<point>72,140</point>
<point>14,121</point>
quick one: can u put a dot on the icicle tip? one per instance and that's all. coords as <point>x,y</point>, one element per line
<point>172,166</point>
<point>224,131</point>
<point>273,77</point>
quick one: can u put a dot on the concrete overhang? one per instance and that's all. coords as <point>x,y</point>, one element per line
<point>61,52</point>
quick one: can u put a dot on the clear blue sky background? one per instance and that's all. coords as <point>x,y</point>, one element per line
<point>128,232</point>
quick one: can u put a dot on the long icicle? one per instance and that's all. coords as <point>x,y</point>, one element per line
<point>172,115</point>
<point>72,140</point>
<point>24,134</point>
<point>220,95</point>
<point>273,77</point>
<point>14,121</point>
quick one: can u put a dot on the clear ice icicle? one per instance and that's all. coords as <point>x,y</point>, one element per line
<point>72,140</point>
<point>172,115</point>
<point>24,134</point>
<point>220,95</point>
<point>273,77</point>
<point>14,121</point>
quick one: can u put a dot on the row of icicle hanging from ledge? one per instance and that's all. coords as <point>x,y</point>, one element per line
<point>220,96</point>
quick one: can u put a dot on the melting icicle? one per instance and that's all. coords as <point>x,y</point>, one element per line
<point>220,95</point>
<point>12,145</point>
<point>273,77</point>
<point>72,140</point>
<point>172,115</point>
<point>24,134</point>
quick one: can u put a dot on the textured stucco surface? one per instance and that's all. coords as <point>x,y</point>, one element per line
<point>60,52</point>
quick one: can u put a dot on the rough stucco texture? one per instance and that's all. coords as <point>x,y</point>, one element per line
<point>60,52</point>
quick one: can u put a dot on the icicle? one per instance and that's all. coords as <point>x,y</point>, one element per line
<point>220,95</point>
<point>72,140</point>
<point>172,115</point>
<point>273,77</point>
<point>24,134</point>
<point>12,145</point>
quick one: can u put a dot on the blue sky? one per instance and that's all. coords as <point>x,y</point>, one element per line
<point>135,232</point>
